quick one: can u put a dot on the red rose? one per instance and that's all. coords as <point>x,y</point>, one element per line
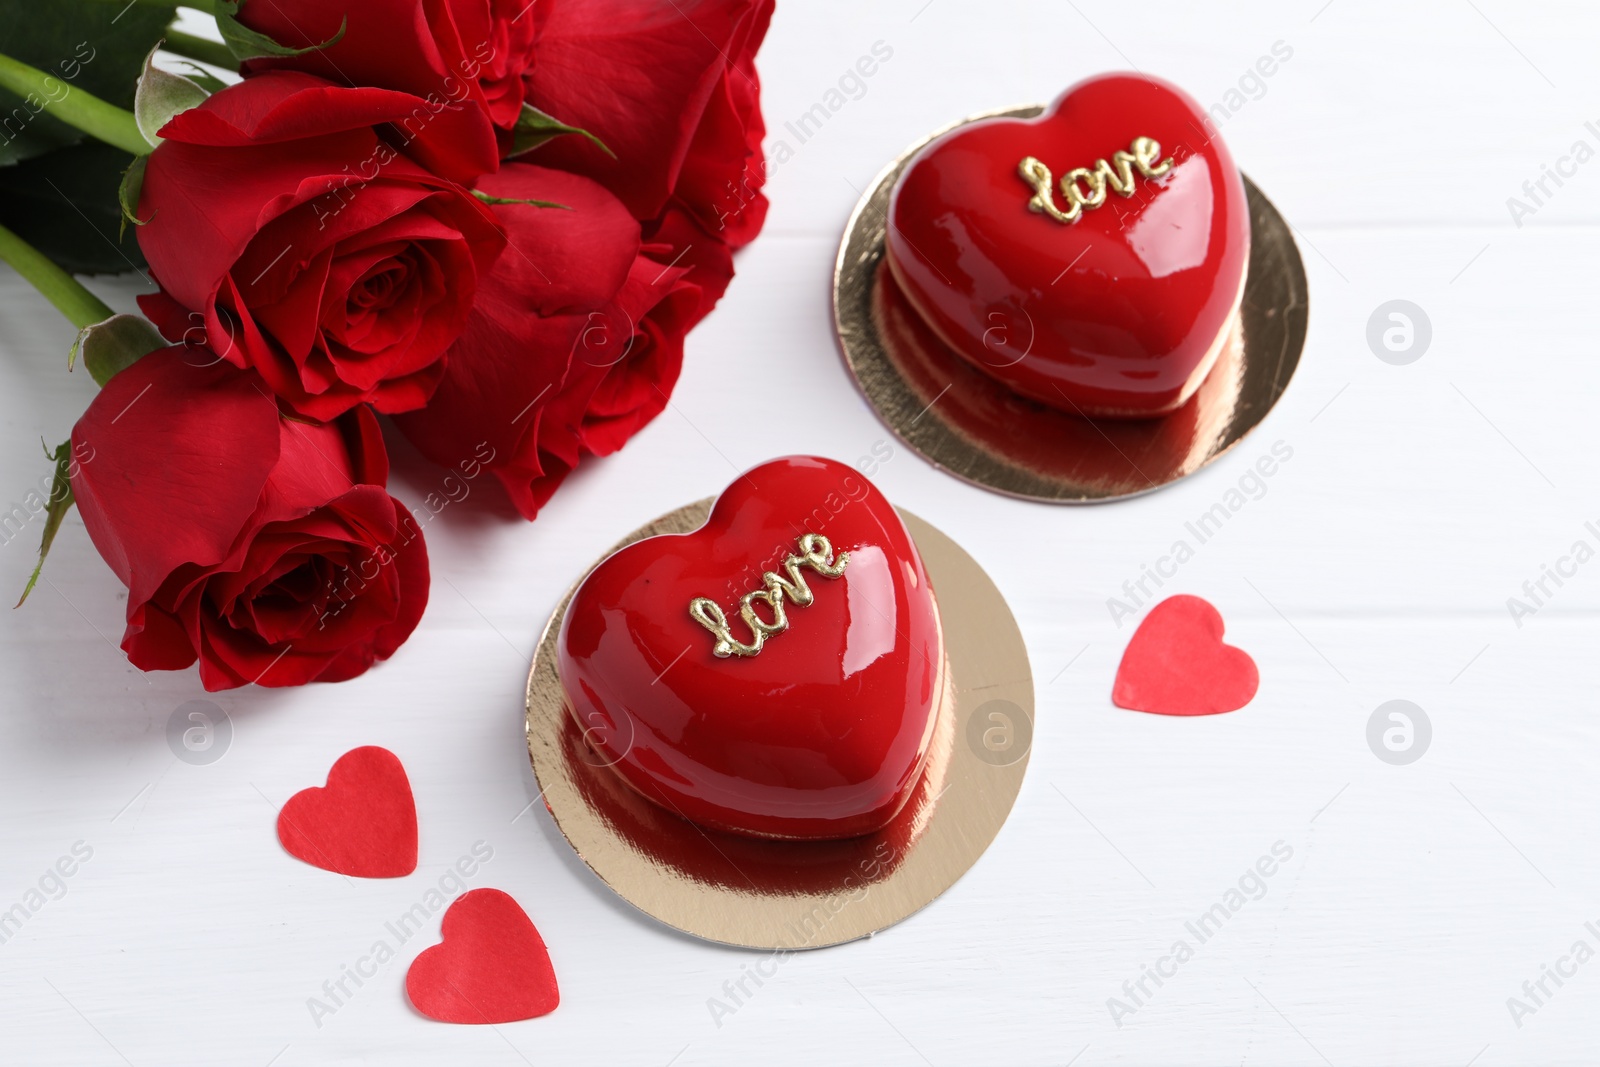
<point>453,50</point>
<point>263,546</point>
<point>672,90</point>
<point>293,239</point>
<point>575,342</point>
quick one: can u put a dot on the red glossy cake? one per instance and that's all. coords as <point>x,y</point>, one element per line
<point>1092,258</point>
<point>776,672</point>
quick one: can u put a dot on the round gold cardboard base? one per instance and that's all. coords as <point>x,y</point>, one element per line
<point>972,426</point>
<point>786,895</point>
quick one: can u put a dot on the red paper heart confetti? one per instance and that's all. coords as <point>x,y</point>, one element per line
<point>362,823</point>
<point>491,965</point>
<point>1176,664</point>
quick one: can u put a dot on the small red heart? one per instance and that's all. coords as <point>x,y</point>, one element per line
<point>490,965</point>
<point>1176,663</point>
<point>363,822</point>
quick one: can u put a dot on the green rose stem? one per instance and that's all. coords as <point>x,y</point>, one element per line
<point>202,48</point>
<point>80,306</point>
<point>92,115</point>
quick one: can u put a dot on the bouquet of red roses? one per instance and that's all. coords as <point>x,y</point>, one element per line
<point>490,220</point>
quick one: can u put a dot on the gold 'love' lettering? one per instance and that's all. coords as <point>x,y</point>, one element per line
<point>1084,188</point>
<point>816,552</point>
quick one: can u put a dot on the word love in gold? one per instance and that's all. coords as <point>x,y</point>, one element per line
<point>816,552</point>
<point>1084,188</point>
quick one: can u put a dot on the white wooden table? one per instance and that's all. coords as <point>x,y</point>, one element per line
<point>1376,566</point>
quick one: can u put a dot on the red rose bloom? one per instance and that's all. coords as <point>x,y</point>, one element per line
<point>265,547</point>
<point>454,50</point>
<point>574,345</point>
<point>673,92</point>
<point>293,239</point>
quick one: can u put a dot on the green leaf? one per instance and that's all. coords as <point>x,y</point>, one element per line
<point>128,195</point>
<point>487,199</point>
<point>203,77</point>
<point>535,127</point>
<point>160,97</point>
<point>246,43</point>
<point>56,509</point>
<point>65,205</point>
<point>115,344</point>
<point>87,44</point>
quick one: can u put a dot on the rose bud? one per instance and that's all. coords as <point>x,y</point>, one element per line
<point>264,546</point>
<point>292,237</point>
<point>575,342</point>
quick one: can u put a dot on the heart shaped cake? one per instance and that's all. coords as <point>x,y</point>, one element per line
<point>776,672</point>
<point>1092,258</point>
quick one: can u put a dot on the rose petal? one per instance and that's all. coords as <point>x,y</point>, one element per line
<point>451,50</point>
<point>180,455</point>
<point>561,260</point>
<point>451,140</point>
<point>677,239</point>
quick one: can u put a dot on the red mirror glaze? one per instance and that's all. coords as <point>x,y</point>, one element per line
<point>1118,314</point>
<point>822,733</point>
